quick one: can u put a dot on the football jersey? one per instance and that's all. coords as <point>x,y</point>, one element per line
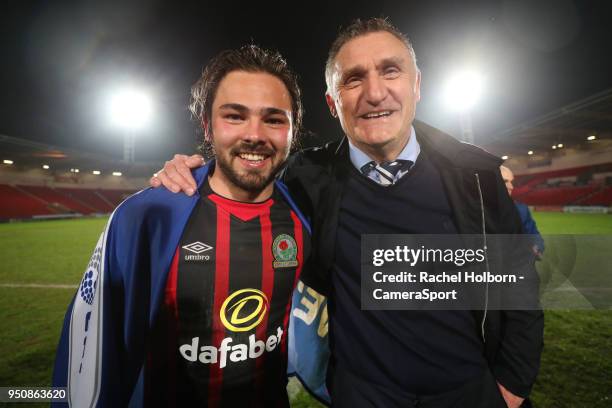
<point>221,336</point>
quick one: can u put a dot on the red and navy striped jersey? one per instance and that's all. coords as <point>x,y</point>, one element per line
<point>221,337</point>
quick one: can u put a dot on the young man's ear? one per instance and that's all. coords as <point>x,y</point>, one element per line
<point>206,129</point>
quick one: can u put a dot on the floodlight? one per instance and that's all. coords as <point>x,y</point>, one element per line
<point>560,145</point>
<point>504,157</point>
<point>96,172</point>
<point>592,137</point>
<point>130,108</point>
<point>45,166</point>
<point>554,147</point>
<point>530,152</point>
<point>463,90</point>
<point>7,161</point>
<point>116,173</point>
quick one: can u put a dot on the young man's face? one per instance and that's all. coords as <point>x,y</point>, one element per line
<point>251,128</point>
<point>375,88</point>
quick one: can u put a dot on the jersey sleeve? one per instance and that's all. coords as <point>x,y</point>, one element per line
<point>308,352</point>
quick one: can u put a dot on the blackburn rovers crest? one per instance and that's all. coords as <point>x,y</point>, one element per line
<point>285,251</point>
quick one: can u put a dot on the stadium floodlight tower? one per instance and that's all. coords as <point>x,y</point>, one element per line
<point>462,92</point>
<point>130,110</point>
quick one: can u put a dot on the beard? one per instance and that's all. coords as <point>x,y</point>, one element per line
<point>252,181</point>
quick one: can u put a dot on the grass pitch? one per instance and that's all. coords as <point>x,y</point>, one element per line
<point>576,364</point>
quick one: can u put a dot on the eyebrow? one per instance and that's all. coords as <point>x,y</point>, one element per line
<point>359,70</point>
<point>263,111</point>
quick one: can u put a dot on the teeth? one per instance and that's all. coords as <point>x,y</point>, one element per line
<point>377,114</point>
<point>251,156</point>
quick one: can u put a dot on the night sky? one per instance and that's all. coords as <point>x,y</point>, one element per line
<point>61,60</point>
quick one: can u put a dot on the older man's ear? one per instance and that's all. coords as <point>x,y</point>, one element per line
<point>176,174</point>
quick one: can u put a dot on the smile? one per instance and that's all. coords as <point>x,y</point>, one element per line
<point>376,115</point>
<point>252,157</point>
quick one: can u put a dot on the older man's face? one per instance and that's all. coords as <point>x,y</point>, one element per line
<point>374,90</point>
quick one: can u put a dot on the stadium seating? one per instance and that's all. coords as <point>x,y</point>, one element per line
<point>53,196</point>
<point>16,203</point>
<point>573,186</point>
<point>587,186</point>
<point>26,201</point>
<point>556,195</point>
<point>601,197</point>
<point>91,198</point>
<point>525,183</point>
<point>115,196</point>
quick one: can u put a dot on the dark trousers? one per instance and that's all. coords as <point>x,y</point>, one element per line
<point>351,391</point>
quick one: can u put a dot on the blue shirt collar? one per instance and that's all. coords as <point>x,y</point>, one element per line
<point>410,152</point>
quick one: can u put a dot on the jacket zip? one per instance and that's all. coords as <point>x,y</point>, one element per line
<point>484,240</point>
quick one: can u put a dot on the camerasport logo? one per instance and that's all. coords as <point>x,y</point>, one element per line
<point>195,251</point>
<point>244,309</point>
<point>284,250</point>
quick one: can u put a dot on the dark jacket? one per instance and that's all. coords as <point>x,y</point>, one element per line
<point>480,205</point>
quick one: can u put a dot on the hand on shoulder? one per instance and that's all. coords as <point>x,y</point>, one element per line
<point>176,174</point>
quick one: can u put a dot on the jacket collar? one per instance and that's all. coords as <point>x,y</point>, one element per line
<point>445,147</point>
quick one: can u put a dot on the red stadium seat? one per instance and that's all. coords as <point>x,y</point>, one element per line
<point>17,203</point>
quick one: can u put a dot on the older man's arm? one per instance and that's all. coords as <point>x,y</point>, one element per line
<point>176,174</point>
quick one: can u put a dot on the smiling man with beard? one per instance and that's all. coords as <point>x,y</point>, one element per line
<point>186,299</point>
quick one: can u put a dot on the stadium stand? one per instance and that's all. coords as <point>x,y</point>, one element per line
<point>555,195</point>
<point>115,197</point>
<point>601,197</point>
<point>56,198</point>
<point>26,201</point>
<point>562,161</point>
<point>526,183</point>
<point>45,181</point>
<point>91,198</point>
<point>574,186</point>
<point>16,203</point>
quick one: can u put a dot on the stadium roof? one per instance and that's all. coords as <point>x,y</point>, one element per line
<point>569,125</point>
<point>26,153</point>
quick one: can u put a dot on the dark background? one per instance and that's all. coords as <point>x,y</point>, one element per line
<point>62,59</point>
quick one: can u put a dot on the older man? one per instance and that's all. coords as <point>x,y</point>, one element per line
<point>394,175</point>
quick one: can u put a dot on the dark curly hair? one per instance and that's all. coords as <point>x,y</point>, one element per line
<point>249,58</point>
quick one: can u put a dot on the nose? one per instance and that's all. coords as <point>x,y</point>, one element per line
<point>254,131</point>
<point>375,90</point>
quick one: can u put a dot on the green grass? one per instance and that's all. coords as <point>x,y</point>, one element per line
<point>562,223</point>
<point>576,363</point>
<point>576,368</point>
<point>47,251</point>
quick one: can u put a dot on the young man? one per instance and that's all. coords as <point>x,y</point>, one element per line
<point>186,299</point>
<point>394,175</point>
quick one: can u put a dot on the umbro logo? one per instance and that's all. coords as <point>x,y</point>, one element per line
<point>197,247</point>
